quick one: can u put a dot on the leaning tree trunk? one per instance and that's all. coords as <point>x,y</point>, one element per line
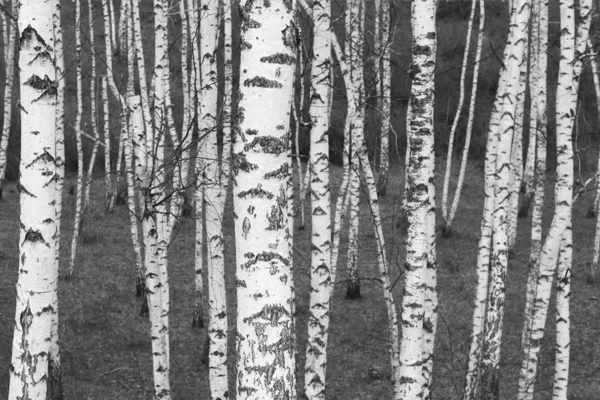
<point>417,197</point>
<point>459,108</point>
<point>321,282</point>
<point>489,384</point>
<point>463,164</point>
<point>38,267</point>
<point>265,346</point>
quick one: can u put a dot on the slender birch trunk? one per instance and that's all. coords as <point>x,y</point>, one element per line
<point>80,167</point>
<point>356,112</point>
<point>265,347</point>
<point>55,387</point>
<point>321,282</point>
<point>463,164</point>
<point>459,108</point>
<point>593,210</point>
<point>111,188</point>
<point>420,142</point>
<point>386,99</point>
<point>516,155</point>
<point>93,113</point>
<point>9,59</point>
<point>36,311</point>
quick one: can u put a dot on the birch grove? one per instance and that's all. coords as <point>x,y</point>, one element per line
<point>187,103</point>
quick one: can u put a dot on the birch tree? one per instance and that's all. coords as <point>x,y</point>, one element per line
<point>265,345</point>
<point>321,280</point>
<point>556,248</point>
<point>419,172</point>
<point>38,268</point>
<point>9,62</point>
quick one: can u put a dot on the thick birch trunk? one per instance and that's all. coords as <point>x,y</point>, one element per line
<point>417,197</point>
<point>265,346</point>
<point>321,282</point>
<point>36,311</point>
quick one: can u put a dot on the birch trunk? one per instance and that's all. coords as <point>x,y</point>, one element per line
<point>93,113</point>
<point>9,59</point>
<point>417,197</point>
<point>321,282</point>
<point>386,99</point>
<point>36,303</point>
<point>514,59</point>
<point>79,196</point>
<point>356,113</point>
<point>55,388</point>
<point>572,46</point>
<point>463,164</point>
<point>265,347</point>
<point>461,97</point>
<point>539,61</point>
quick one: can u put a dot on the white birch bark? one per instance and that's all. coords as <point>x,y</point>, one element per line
<point>265,347</point>
<point>93,114</point>
<point>538,82</point>
<point>563,318</point>
<point>38,268</point>
<point>356,111</point>
<point>386,99</point>
<point>9,59</point>
<point>459,108</point>
<point>513,59</point>
<point>55,387</point>
<point>470,119</point>
<point>572,45</point>
<point>417,197</point>
<point>321,282</point>
<point>79,191</point>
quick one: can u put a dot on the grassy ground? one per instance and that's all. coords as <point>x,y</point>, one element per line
<point>106,345</point>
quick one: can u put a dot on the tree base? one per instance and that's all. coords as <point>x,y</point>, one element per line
<point>140,287</point>
<point>353,290</point>
<point>205,350</point>
<point>144,311</point>
<point>446,231</point>
<point>490,384</point>
<point>524,209</point>
<point>55,386</point>
<point>590,212</point>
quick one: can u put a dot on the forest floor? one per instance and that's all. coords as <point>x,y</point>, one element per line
<point>105,344</point>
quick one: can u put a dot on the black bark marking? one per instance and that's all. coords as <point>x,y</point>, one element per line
<point>258,191</point>
<point>21,189</point>
<point>267,256</point>
<point>44,157</point>
<point>267,144</point>
<point>45,86</point>
<point>276,217</point>
<point>279,58</point>
<point>261,81</point>
<point>31,39</point>
<point>280,173</point>
<point>290,37</point>
<point>240,163</point>
<point>246,227</point>
<point>34,236</point>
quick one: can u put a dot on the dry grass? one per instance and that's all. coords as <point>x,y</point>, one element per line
<point>106,345</point>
